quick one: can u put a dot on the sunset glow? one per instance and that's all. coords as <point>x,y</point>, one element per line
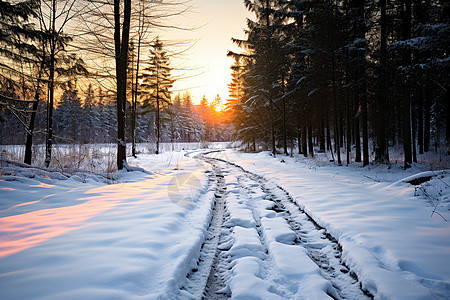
<point>217,23</point>
<point>219,107</point>
<point>232,149</point>
<point>33,228</point>
<point>22,231</point>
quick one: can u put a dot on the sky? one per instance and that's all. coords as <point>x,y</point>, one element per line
<point>217,22</point>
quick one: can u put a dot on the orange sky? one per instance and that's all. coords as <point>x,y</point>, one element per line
<point>219,21</point>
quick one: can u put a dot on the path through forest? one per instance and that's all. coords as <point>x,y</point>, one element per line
<point>258,229</point>
<point>208,224</point>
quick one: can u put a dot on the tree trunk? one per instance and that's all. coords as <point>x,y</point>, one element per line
<point>284,118</point>
<point>365,133</point>
<point>337,146</point>
<point>272,121</point>
<point>133,126</point>
<point>321,135</point>
<point>349,129</point>
<point>304,144</point>
<point>348,122</point>
<point>382,151</point>
<point>133,111</point>
<point>29,141</point>
<point>420,120</point>
<point>49,142</point>
<point>414,129</point>
<point>310,141</point>
<point>134,99</point>
<point>407,125</point>
<point>414,135</point>
<point>337,137</point>
<point>272,129</point>
<point>357,133</point>
<point>447,120</point>
<point>327,125</point>
<point>406,33</point>
<point>284,128</point>
<point>121,57</point>
<point>426,135</point>
<point>299,135</point>
<point>158,120</point>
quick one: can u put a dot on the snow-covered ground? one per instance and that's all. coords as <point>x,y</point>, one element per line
<point>289,228</point>
<point>95,158</point>
<point>389,238</point>
<point>63,239</point>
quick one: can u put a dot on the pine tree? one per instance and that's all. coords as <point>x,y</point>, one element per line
<point>18,36</point>
<point>91,117</point>
<point>265,73</point>
<point>174,111</point>
<point>69,114</point>
<point>235,106</point>
<point>188,118</point>
<point>156,84</point>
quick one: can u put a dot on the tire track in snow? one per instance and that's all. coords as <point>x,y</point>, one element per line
<point>268,272</point>
<point>215,288</point>
<point>322,248</point>
<point>207,280</point>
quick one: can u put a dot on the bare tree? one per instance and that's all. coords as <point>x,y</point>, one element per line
<point>142,30</point>
<point>53,18</point>
<point>129,22</point>
<point>121,43</point>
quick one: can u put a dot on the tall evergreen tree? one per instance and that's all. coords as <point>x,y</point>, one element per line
<point>18,36</point>
<point>157,84</point>
<point>264,76</point>
<point>69,114</point>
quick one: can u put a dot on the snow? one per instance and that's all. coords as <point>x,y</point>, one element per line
<point>128,240</point>
<point>387,234</point>
<point>238,215</point>
<point>246,243</point>
<point>246,282</point>
<point>302,271</point>
<point>277,231</point>
<point>77,236</point>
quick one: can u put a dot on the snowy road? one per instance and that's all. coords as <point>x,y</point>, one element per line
<point>224,224</point>
<point>266,246</point>
<point>387,239</point>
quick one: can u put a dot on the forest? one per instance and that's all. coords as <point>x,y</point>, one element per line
<point>323,174</point>
<point>354,78</point>
<point>77,72</point>
<point>360,76</point>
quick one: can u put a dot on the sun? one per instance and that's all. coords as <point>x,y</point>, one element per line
<point>219,108</point>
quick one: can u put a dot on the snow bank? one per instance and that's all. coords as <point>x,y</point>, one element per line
<point>388,232</point>
<point>67,239</point>
<point>77,236</point>
<point>293,262</point>
<point>246,282</point>
<point>239,215</point>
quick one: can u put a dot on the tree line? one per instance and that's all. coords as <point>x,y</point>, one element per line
<point>356,75</point>
<point>87,117</point>
<point>83,71</point>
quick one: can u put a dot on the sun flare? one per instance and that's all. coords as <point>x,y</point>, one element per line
<point>219,108</point>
